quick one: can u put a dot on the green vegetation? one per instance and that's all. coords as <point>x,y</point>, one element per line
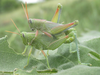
<point>8,5</point>
<point>86,11</point>
<point>63,62</point>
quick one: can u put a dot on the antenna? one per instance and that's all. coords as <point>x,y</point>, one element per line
<point>12,32</point>
<point>15,25</point>
<point>25,11</point>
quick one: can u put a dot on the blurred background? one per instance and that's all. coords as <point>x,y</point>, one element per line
<point>86,11</point>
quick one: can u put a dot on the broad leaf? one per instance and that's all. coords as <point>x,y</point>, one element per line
<point>61,60</point>
<point>80,70</point>
<point>9,59</point>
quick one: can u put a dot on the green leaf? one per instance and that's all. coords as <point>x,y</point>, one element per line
<point>80,70</point>
<point>60,59</point>
<point>9,59</point>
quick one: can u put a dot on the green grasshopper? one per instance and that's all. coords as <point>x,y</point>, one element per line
<point>49,27</point>
<point>53,28</point>
<point>42,41</point>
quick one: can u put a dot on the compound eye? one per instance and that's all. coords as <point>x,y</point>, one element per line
<point>23,35</point>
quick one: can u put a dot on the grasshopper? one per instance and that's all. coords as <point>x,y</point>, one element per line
<point>53,28</point>
<point>42,41</point>
<point>60,34</point>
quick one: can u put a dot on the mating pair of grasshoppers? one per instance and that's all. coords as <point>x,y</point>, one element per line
<point>49,35</point>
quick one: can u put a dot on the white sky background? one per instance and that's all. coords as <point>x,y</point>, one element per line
<point>31,1</point>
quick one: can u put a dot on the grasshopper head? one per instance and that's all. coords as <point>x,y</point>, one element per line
<point>36,24</point>
<point>27,37</point>
<point>30,24</point>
